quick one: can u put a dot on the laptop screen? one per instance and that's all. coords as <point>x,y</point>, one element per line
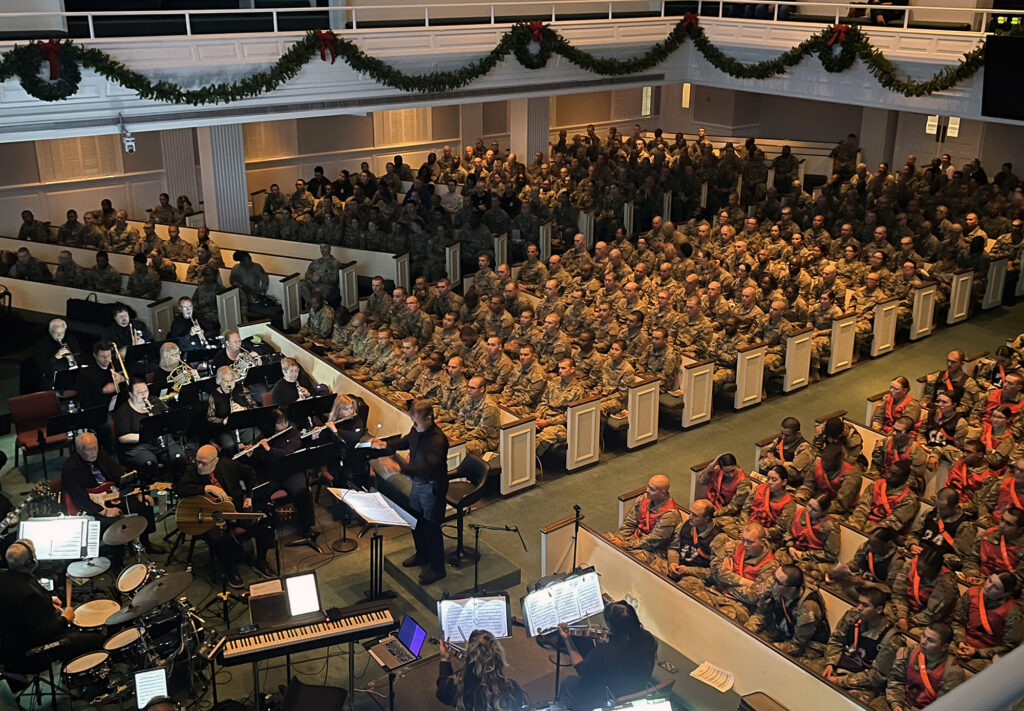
<point>412,635</point>
<point>303,596</point>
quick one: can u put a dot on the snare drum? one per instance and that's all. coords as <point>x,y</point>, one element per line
<point>127,645</point>
<point>86,670</point>
<point>94,614</point>
<point>132,578</point>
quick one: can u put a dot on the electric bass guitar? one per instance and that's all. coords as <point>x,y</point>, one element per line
<point>197,515</point>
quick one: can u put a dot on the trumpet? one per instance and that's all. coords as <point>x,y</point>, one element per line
<point>68,355</point>
<point>197,331</point>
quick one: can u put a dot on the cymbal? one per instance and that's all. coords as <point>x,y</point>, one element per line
<point>88,568</point>
<point>162,590</point>
<point>127,614</point>
<point>125,530</point>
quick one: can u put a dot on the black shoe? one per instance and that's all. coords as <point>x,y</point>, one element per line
<point>235,581</point>
<point>263,569</point>
<point>154,548</point>
<point>411,561</point>
<point>432,575</point>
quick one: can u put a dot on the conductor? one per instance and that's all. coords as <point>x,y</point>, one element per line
<point>428,469</point>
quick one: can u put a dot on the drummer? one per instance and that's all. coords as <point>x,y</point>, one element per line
<point>85,472</point>
<point>31,618</point>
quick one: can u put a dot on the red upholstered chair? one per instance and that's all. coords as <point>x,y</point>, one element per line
<point>267,398</point>
<point>30,414</point>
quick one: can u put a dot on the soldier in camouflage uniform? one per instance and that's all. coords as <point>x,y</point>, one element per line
<point>551,413</point>
<point>499,322</point>
<point>342,336</point>
<point>552,302</point>
<point>143,282</point>
<point>427,295</point>
<point>749,314</point>
<point>447,300</point>
<point>404,371</point>
<point>205,297</point>
<point>903,285</point>
<point>821,321</point>
<point>533,273</point>
<point>496,367</point>
<point>33,230</point>
<point>378,305</point>
<point>773,331</point>
<point>573,259</point>
<point>868,296</point>
<point>476,239</point>
<point>790,616</point>
<point>121,238</point>
<point>149,240</point>
<point>485,282</point>
<point>578,316</point>
<point>589,361</point>
<point>514,302</point>
<point>559,273</point>
<point>103,277</point>
<point>553,345</point>
<point>616,377</point>
<point>477,420</point>
<point>92,233</point>
<point>695,331</point>
<point>446,335</point>
<point>523,392</point>
<point>472,349</point>
<point>164,268</point>
<point>322,275</point>
<point>724,350</point>
<point>453,391</point>
<point>414,322</point>
<point>432,379</point>
<point>606,329</point>
<point>320,321</point>
<point>68,273</point>
<point>662,360</point>
<point>664,316</point>
<point>386,357</point>
<point>637,342</point>
<point>175,248</point>
<point>197,266</point>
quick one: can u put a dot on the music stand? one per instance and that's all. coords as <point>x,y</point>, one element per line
<point>263,373</point>
<point>200,354</point>
<point>92,418</point>
<point>256,418</point>
<point>301,461</point>
<point>304,410</point>
<point>368,507</point>
<point>66,378</point>
<point>142,353</point>
<point>190,391</point>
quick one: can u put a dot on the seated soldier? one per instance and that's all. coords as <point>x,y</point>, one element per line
<point>693,544</point>
<point>551,413</point>
<point>944,430</point>
<point>971,472</point>
<point>452,391</point>
<point>525,388</point>
<point>987,621</point>
<point>789,450</point>
<point>924,591</point>
<point>648,527</point>
<point>791,616</point>
<point>1000,495</point>
<point>723,349</point>
<point>477,420</point>
<point>812,541</point>
<point>616,377</point>
<point>896,403</point>
<point>769,504</point>
<point>997,549</point>
<point>832,475</point>
<point>319,324</point>
<point>954,376</point>
<point>728,486</point>
<point>835,430</point>
<point>899,447</point>
<point>495,367</point>
<point>945,528</point>
<point>923,672</point>
<point>876,562</point>
<point>741,572</point>
<point>862,647</point>
<point>889,503</point>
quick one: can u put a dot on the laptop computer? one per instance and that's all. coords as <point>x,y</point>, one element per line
<point>396,651</point>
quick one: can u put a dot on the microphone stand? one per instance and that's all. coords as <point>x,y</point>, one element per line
<point>575,534</point>
<point>477,527</point>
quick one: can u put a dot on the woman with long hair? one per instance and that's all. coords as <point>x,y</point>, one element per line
<point>348,427</point>
<point>619,667</point>
<point>482,683</point>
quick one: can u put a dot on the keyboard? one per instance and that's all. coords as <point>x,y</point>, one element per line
<point>345,625</point>
<point>399,652</point>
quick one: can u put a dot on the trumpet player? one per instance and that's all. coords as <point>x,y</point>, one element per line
<point>128,418</point>
<point>228,397</point>
<point>189,329</point>
<point>56,352</point>
<point>126,331</point>
<point>293,385</point>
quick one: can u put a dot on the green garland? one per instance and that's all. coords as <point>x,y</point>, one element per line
<point>835,51</point>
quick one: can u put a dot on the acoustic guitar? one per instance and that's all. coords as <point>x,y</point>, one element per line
<point>196,515</point>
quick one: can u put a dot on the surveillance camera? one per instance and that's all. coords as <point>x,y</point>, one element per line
<point>129,143</point>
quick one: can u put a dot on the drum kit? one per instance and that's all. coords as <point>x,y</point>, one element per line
<point>150,626</point>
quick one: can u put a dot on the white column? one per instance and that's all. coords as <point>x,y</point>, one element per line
<point>471,126</point>
<point>222,164</point>
<point>878,137</point>
<point>529,123</point>
<point>178,148</point>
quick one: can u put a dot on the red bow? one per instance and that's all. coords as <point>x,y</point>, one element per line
<point>326,38</point>
<point>51,48</point>
<point>537,28</point>
<point>838,34</point>
<point>690,19</point>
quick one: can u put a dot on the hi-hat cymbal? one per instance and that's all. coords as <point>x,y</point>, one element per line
<point>162,590</point>
<point>127,614</point>
<point>125,530</point>
<point>88,568</point>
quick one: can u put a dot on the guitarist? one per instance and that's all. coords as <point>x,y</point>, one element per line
<point>222,480</point>
<point>90,470</point>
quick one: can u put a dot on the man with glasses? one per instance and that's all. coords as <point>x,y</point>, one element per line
<point>693,545</point>
<point>791,616</point>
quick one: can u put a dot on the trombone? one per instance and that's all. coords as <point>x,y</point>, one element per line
<point>124,370</point>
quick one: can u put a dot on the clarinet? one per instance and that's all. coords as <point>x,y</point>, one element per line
<point>162,440</point>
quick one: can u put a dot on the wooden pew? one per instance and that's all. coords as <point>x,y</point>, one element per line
<point>583,433</point>
<point>642,406</point>
<point>628,500</point>
<point>996,283</point>
<point>229,308</point>
<point>698,387</point>
<point>666,208</point>
<point>923,319</point>
<point>883,338</point>
<point>869,435</point>
<point>696,491</point>
<point>749,375</point>
<point>686,625</point>
<point>500,249</point>
<point>51,299</point>
<point>960,296</point>
<point>517,450</point>
<point>798,359</point>
<point>844,332</point>
<point>628,209</point>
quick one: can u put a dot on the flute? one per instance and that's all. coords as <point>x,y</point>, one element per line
<point>249,450</point>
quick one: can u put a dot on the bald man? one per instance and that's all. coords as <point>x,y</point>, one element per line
<point>223,479</point>
<point>648,527</point>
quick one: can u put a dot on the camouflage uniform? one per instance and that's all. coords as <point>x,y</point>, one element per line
<point>730,596</point>
<point>533,274</point>
<point>403,372</point>
<point>486,284</point>
<point>589,366</point>
<point>694,337</point>
<point>144,285</point>
<point>121,240</point>
<point>496,371</point>
<point>452,394</point>
<point>604,333</point>
<point>478,423</point>
<point>524,390</point>
<point>548,306</point>
<point>106,280</point>
<point>319,323</point>
<point>614,386</point>
<point>553,405</point>
<point>322,276</point>
<point>378,309</point>
<point>73,275</point>
<point>637,347</point>
<point>861,677</point>
<point>416,324</point>
<point>724,350</point>
<point>576,319</point>
<point>204,298</point>
<point>551,349</point>
<point>571,260</point>
<point>804,637</point>
<point>448,302</point>
<point>821,345</point>
<point>773,334</point>
<point>663,364</point>
<point>430,385</point>
<point>501,325</point>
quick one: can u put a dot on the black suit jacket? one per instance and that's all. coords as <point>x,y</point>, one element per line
<point>27,618</point>
<point>76,479</point>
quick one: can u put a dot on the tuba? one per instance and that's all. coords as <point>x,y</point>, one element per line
<point>244,361</point>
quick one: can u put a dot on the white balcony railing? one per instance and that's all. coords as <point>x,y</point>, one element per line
<point>343,18</point>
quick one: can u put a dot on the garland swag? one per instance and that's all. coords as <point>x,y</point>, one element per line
<point>836,47</point>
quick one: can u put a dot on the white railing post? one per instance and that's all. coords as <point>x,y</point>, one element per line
<point>492,14</point>
<point>188,24</point>
<point>354,25</point>
<point>426,16</point>
<point>274,15</point>
<point>663,8</point>
<point>552,13</point>
<point>92,30</point>
<point>609,11</point>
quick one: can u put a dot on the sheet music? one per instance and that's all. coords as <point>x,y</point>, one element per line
<point>374,507</point>
<point>571,600</point>
<point>270,587</point>
<point>459,618</point>
<point>149,685</point>
<point>93,540</point>
<point>57,538</point>
<point>714,676</point>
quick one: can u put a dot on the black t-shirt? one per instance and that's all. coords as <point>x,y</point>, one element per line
<point>284,393</point>
<point>614,667</point>
<point>91,381</point>
<point>128,421</point>
<point>221,359</point>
